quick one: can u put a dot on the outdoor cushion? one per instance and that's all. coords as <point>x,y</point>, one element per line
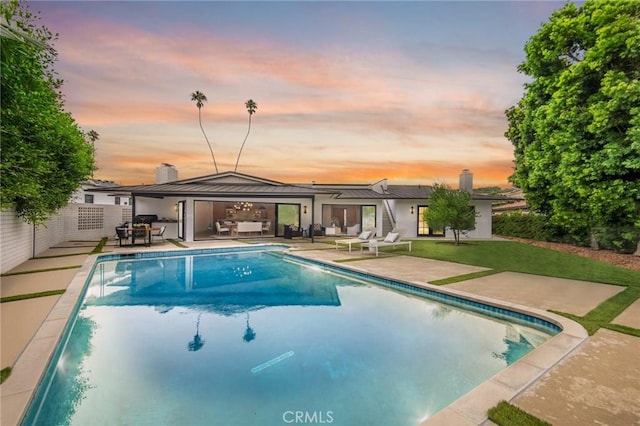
<point>391,237</point>
<point>364,235</point>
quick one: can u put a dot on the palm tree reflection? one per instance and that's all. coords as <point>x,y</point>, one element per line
<point>197,343</point>
<point>249,334</point>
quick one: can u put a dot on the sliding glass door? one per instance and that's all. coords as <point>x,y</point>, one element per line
<point>286,214</point>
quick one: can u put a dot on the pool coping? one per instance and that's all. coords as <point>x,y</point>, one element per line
<point>469,409</point>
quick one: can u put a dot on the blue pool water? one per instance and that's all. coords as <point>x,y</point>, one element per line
<point>249,338</point>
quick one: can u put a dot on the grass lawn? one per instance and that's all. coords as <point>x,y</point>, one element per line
<point>518,257</point>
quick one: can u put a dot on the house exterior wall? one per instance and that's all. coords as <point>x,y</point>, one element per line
<point>16,245</point>
<point>407,223</point>
<point>76,222</point>
<point>98,197</point>
<point>483,221</point>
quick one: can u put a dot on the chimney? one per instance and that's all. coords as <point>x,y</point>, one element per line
<point>466,181</point>
<point>166,173</point>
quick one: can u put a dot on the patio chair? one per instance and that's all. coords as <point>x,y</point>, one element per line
<point>266,226</point>
<point>159,233</point>
<point>364,237</point>
<point>141,233</point>
<point>221,229</point>
<point>392,239</point>
<point>122,234</point>
<point>354,229</point>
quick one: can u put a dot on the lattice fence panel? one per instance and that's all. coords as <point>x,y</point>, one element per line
<point>90,218</point>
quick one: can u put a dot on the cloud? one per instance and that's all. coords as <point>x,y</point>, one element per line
<point>319,107</point>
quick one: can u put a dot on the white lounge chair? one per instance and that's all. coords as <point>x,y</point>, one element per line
<point>362,238</point>
<point>392,239</point>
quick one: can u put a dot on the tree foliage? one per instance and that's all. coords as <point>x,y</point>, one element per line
<point>44,153</point>
<point>450,209</point>
<point>576,131</point>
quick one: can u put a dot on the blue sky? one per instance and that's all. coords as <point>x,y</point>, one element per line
<point>346,91</point>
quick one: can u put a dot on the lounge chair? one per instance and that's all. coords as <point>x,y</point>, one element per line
<point>362,238</point>
<point>392,239</point>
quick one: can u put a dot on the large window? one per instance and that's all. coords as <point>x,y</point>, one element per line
<point>287,214</point>
<point>208,215</point>
<point>345,216</point>
<point>424,230</point>
<point>368,217</point>
<point>88,198</point>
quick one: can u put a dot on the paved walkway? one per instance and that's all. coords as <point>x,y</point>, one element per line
<point>599,383</point>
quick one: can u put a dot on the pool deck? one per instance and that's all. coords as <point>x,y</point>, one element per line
<point>571,379</point>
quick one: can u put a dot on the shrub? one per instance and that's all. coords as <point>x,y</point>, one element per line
<point>517,224</point>
<point>620,240</point>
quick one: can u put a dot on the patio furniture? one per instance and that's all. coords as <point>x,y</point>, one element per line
<point>353,230</point>
<point>316,230</point>
<point>222,229</point>
<point>291,231</point>
<point>266,226</point>
<point>362,238</point>
<point>392,239</point>
<point>159,233</point>
<point>330,230</point>
<point>248,227</point>
<point>141,233</point>
<point>122,234</point>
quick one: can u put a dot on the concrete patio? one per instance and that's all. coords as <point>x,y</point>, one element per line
<point>597,383</point>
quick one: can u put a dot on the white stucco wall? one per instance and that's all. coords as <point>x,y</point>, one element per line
<point>17,242</point>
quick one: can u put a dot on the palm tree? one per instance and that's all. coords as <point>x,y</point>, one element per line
<point>251,108</point>
<point>93,136</point>
<point>200,99</point>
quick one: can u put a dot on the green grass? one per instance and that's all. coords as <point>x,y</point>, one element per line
<point>505,414</point>
<point>33,271</point>
<point>4,374</point>
<point>100,246</point>
<point>518,257</point>
<point>464,277</point>
<point>176,243</point>
<point>30,295</point>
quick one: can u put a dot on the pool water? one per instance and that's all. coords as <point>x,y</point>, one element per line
<point>248,338</point>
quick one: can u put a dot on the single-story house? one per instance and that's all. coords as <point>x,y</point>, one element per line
<point>236,204</point>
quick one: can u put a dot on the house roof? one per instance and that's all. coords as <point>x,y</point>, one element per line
<point>222,184</point>
<point>233,184</point>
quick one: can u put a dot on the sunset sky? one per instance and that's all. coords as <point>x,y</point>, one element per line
<point>347,92</point>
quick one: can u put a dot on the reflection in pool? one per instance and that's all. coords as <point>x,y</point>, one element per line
<point>247,338</point>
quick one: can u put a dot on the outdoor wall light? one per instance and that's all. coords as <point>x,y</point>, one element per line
<point>304,210</point>
<point>411,209</point>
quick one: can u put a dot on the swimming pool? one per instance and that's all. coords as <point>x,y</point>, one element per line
<point>256,337</point>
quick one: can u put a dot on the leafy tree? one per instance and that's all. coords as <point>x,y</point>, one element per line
<point>450,209</point>
<point>576,130</point>
<point>44,154</point>
<point>251,109</point>
<point>200,99</point>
